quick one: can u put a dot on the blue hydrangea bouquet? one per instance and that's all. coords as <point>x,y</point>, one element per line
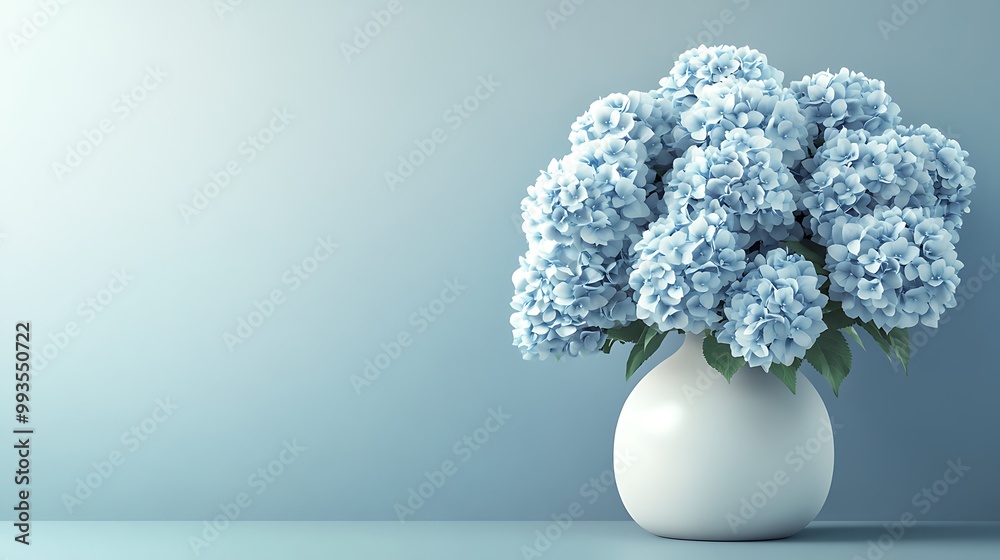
<point>774,220</point>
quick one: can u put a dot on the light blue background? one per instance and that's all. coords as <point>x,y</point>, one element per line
<point>454,218</point>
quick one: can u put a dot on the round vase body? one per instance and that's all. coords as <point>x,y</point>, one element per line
<point>700,458</point>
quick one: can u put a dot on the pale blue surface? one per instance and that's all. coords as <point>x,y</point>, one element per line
<point>493,541</point>
<point>323,175</point>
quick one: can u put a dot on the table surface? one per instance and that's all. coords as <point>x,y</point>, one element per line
<point>483,540</point>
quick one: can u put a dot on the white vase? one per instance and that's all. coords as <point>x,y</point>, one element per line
<point>702,459</point>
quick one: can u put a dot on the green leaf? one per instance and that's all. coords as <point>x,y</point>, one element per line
<point>720,357</point>
<point>635,359</point>
<point>813,252</point>
<point>627,333</point>
<point>813,246</point>
<point>648,333</point>
<point>834,316</point>
<point>854,334</point>
<point>651,340</point>
<point>880,337</point>
<point>899,340</point>
<point>654,344</point>
<point>647,345</point>
<point>608,343</point>
<point>831,356</point>
<point>786,373</point>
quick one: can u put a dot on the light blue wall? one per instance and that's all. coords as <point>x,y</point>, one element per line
<point>450,222</point>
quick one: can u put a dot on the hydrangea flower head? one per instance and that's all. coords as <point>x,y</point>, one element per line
<point>682,269</point>
<point>746,104</point>
<point>560,309</point>
<point>854,171</point>
<point>745,175</point>
<point>638,116</point>
<point>580,217</point>
<point>775,313</point>
<point>576,202</point>
<point>952,177</point>
<point>702,66</point>
<point>895,267</point>
<point>845,100</point>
